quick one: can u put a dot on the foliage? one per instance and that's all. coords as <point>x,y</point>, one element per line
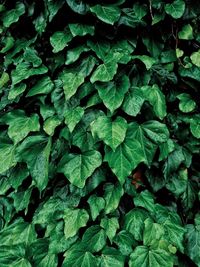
<point>100,133</point>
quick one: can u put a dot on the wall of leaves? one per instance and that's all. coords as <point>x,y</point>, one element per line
<point>100,133</point>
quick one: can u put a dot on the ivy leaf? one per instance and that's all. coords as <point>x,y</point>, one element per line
<point>78,6</point>
<point>81,30</point>
<point>108,14</point>
<point>50,125</point>
<point>133,101</point>
<point>110,225</point>
<point>111,257</point>
<point>134,222</point>
<point>7,156</point>
<point>112,93</point>
<point>125,241</point>
<point>195,127</point>
<point>112,196</point>
<point>35,151</point>
<point>195,58</point>
<point>78,167</point>
<point>13,15</point>
<point>73,116</point>
<point>176,9</point>
<point>156,98</point>
<point>96,204</point>
<point>94,238</point>
<point>148,61</point>
<point>59,40</point>
<point>146,257</point>
<point>20,125</point>
<point>74,219</point>
<point>43,86</point>
<point>186,103</point>
<point>112,133</point>
<point>152,231</point>
<point>186,32</point>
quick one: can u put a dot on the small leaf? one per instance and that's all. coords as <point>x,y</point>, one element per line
<point>81,29</point>
<point>195,58</point>
<point>186,103</point>
<point>59,40</point>
<point>176,9</point>
<point>186,32</point>
<point>97,204</point>
<point>13,15</point>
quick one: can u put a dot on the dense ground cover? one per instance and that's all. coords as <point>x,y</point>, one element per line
<point>100,133</point>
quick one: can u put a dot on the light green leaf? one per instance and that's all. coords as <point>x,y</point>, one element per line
<point>152,232</point>
<point>112,93</point>
<point>81,29</point>
<point>108,14</point>
<point>74,220</point>
<point>195,127</point>
<point>146,257</point>
<point>94,238</point>
<point>111,132</point>
<point>156,98</point>
<point>59,40</point>
<point>106,71</point>
<point>13,15</point>
<point>110,225</point>
<point>186,104</point>
<point>20,125</point>
<point>125,158</point>
<point>96,204</point>
<point>112,196</point>
<point>15,91</point>
<point>176,9</point>
<point>186,32</point>
<point>148,61</point>
<point>111,257</point>
<point>195,58</point>
<point>74,53</point>
<point>35,151</point>
<point>7,157</point>
<point>134,222</point>
<point>133,101</point>
<point>71,82</point>
<point>78,167</point>
<point>50,125</point>
<point>43,86</point>
<point>73,116</point>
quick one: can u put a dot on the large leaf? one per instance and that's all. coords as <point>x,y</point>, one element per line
<point>112,133</point>
<point>146,257</point>
<point>77,168</point>
<point>108,14</point>
<point>175,9</point>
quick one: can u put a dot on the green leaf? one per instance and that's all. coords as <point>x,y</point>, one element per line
<point>192,242</point>
<point>13,15</point>
<point>133,101</point>
<point>43,86</point>
<point>73,116</point>
<point>186,32</point>
<point>108,14</point>
<point>195,58</point>
<point>74,220</point>
<point>195,128</point>
<point>75,53</point>
<point>134,222</point>
<point>186,104</point>
<point>78,256</point>
<point>94,238</point>
<point>110,225</point>
<point>112,93</point>
<point>125,158</point>
<point>50,125</point>
<point>7,157</point>
<point>96,204</point>
<point>78,167</point>
<point>112,196</point>
<point>145,199</point>
<point>152,232</point>
<point>105,72</point>
<point>125,241</point>
<point>111,132</point>
<point>176,9</point>
<point>146,257</point>
<point>35,151</point>
<point>15,91</point>
<point>111,257</point>
<point>80,29</point>
<point>59,40</point>
<point>78,6</point>
<point>148,61</point>
<point>156,98</point>
<point>20,125</point>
